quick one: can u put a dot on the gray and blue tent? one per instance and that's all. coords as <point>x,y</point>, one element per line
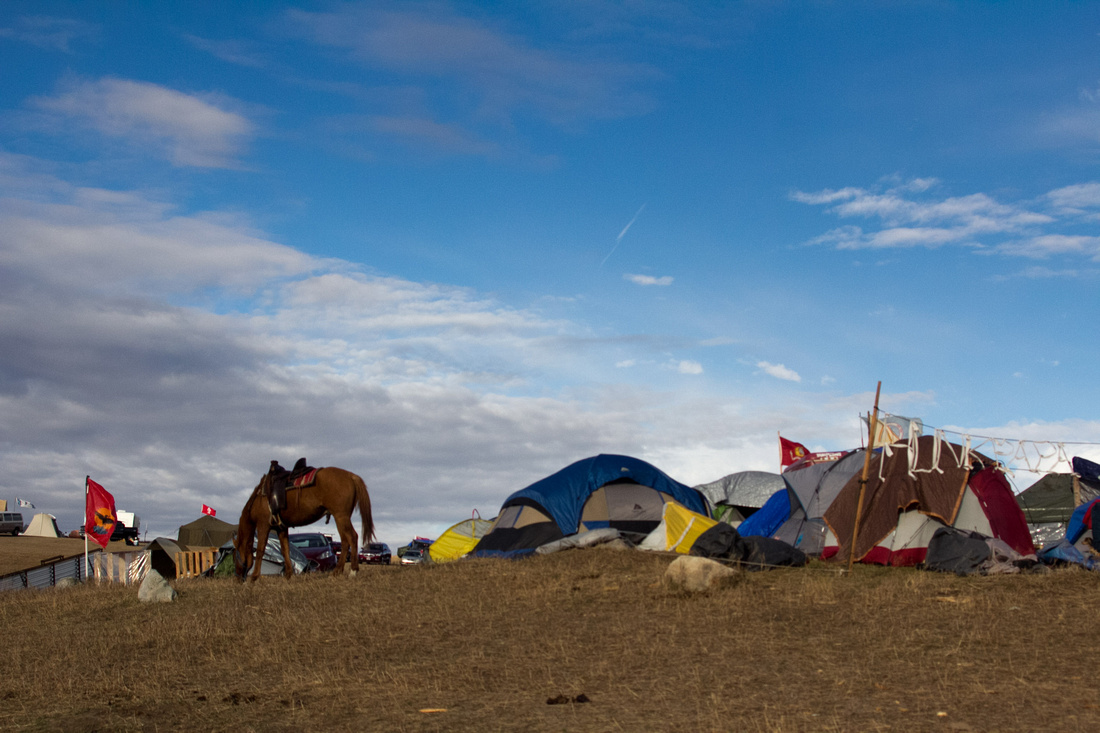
<point>603,491</point>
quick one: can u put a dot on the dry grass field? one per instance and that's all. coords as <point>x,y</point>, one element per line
<point>484,644</point>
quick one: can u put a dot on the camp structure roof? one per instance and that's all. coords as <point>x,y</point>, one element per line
<point>42,525</point>
<point>614,491</point>
<point>206,531</point>
<point>744,491</point>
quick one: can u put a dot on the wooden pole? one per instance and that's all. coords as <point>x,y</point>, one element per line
<point>872,424</point>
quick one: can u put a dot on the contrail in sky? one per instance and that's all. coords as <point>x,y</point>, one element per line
<point>622,234</point>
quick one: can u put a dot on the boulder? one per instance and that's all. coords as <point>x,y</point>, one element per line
<point>699,574</point>
<point>155,589</point>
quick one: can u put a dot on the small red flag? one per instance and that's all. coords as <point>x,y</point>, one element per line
<point>209,510</point>
<point>99,514</point>
<point>789,452</point>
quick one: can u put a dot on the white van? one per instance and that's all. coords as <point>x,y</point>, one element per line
<point>11,523</point>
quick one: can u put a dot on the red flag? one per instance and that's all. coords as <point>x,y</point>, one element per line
<point>789,452</point>
<point>99,515</point>
<point>209,510</point>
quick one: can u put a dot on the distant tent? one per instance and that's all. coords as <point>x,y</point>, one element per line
<point>1049,503</point>
<point>914,489</point>
<point>620,492</point>
<point>738,496</point>
<point>42,525</point>
<point>206,531</point>
<point>459,539</point>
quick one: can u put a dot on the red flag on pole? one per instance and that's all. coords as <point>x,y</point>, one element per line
<point>789,452</point>
<point>99,515</point>
<point>209,510</point>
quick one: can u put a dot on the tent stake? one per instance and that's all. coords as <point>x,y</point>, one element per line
<point>872,423</point>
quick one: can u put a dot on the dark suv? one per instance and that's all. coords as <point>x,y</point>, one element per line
<point>375,553</point>
<point>316,547</point>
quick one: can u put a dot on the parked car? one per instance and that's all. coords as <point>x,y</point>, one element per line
<point>375,553</point>
<point>11,523</point>
<point>414,557</point>
<point>316,547</point>
<point>418,543</point>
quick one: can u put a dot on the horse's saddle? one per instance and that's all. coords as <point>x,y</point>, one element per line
<point>282,480</point>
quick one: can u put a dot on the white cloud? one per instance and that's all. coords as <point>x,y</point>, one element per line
<point>646,280</point>
<point>187,129</point>
<point>977,220</point>
<point>55,34</point>
<point>778,371</point>
<point>625,364</point>
<point>689,367</point>
<point>502,73</point>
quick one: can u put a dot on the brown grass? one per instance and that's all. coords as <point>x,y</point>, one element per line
<point>488,642</point>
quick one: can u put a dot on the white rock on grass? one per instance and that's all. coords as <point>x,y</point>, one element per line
<point>698,574</point>
<point>155,589</point>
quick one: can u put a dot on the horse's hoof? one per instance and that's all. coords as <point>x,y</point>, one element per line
<point>352,573</point>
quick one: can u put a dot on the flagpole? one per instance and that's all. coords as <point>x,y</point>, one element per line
<point>86,528</point>
<point>779,435</point>
<point>872,423</point>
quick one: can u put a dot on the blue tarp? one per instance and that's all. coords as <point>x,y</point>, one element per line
<point>563,494</point>
<point>768,518</point>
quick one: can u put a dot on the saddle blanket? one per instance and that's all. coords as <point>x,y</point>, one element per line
<point>306,479</point>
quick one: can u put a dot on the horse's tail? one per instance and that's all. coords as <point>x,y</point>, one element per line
<point>362,498</point>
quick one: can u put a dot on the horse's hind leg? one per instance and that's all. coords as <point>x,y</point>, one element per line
<point>349,543</point>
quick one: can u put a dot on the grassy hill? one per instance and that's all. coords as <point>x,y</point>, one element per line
<point>484,644</point>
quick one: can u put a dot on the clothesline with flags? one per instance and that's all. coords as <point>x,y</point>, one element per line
<point>1014,454</point>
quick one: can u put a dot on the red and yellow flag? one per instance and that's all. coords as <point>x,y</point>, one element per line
<point>99,515</point>
<point>790,452</point>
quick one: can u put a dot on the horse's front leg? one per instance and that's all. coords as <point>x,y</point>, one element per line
<point>261,546</point>
<point>284,543</point>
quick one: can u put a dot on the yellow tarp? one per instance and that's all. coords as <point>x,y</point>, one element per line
<point>459,540</point>
<point>683,527</point>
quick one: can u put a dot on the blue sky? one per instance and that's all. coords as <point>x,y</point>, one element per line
<point>456,246</point>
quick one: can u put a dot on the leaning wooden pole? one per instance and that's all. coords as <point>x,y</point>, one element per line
<point>872,424</point>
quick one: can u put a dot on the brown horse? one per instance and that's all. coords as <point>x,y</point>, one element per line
<point>334,491</point>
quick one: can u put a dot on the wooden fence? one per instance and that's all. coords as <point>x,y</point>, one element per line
<point>191,564</point>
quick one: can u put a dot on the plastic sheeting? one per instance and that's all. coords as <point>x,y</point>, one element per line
<point>743,489</point>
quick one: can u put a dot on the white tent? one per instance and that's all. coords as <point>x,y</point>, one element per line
<point>42,525</point>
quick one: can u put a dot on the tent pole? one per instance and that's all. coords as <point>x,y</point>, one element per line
<point>872,423</point>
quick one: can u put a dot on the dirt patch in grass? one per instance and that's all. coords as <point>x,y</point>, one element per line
<point>485,644</point>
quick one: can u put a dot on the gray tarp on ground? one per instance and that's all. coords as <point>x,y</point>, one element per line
<point>743,489</point>
<point>272,560</point>
<point>581,539</point>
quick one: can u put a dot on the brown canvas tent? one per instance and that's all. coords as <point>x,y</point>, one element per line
<point>206,531</point>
